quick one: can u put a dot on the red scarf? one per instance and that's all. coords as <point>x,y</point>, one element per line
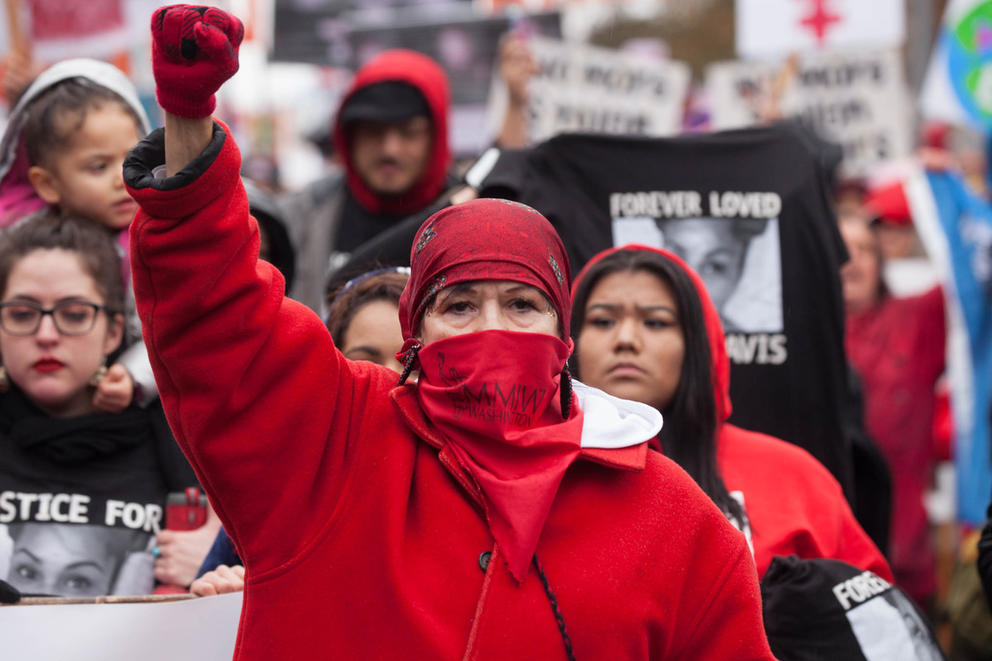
<point>495,396</point>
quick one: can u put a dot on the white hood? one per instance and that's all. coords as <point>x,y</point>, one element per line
<point>610,422</point>
<point>101,73</point>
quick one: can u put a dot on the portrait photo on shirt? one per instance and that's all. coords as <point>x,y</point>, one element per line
<point>737,258</point>
<point>70,560</point>
<point>888,626</point>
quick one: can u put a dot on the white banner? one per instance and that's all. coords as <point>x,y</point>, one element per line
<point>580,88</point>
<point>858,100</point>
<point>779,27</point>
<point>192,630</point>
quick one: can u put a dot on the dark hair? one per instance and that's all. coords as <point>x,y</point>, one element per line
<point>381,285</point>
<point>46,230</point>
<point>56,114</point>
<point>689,434</point>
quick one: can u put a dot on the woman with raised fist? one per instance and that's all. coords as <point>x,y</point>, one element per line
<point>491,510</point>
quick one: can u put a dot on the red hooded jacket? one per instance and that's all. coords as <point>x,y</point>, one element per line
<point>423,73</point>
<point>897,348</point>
<point>362,536</point>
<point>794,505</point>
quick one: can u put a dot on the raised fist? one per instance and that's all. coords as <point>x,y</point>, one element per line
<point>194,50</point>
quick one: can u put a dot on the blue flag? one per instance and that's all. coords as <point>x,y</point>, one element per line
<point>956,228</point>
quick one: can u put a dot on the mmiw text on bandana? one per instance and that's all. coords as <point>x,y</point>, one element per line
<point>514,403</point>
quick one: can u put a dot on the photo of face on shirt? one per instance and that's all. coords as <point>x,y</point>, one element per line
<point>737,258</point>
<point>889,627</point>
<point>69,560</point>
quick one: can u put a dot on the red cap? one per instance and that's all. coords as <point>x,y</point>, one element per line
<point>888,204</point>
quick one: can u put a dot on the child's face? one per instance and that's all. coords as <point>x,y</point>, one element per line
<point>86,177</point>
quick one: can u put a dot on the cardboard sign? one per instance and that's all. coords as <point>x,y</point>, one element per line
<point>858,100</point>
<point>193,630</point>
<point>778,27</point>
<point>581,88</point>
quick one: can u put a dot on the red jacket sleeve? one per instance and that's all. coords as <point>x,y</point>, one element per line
<point>258,397</point>
<point>931,347</point>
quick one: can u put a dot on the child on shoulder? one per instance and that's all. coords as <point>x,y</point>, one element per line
<point>64,148</point>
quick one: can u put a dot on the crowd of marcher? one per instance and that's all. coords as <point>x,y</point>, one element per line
<point>419,434</point>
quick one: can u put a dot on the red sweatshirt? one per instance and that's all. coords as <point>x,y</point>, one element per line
<point>897,348</point>
<point>794,504</point>
<point>424,74</point>
<point>361,537</point>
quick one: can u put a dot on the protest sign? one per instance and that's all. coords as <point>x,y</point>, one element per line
<point>858,100</point>
<point>580,88</point>
<point>344,34</point>
<point>958,85</point>
<point>778,27</point>
<point>96,28</point>
<point>152,630</point>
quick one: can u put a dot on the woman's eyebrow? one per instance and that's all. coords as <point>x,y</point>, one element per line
<point>461,288</point>
<point>655,308</point>
<point>372,351</point>
<point>82,564</point>
<point>616,307</point>
<point>28,553</point>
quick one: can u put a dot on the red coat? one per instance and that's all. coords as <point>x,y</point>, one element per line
<point>360,534</point>
<point>897,348</point>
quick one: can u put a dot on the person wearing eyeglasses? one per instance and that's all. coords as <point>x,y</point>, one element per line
<point>82,492</point>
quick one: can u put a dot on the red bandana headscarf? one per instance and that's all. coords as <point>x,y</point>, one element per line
<point>495,395</point>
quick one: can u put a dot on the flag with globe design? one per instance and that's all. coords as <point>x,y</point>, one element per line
<point>958,85</point>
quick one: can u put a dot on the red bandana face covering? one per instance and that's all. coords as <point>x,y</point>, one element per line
<point>495,396</point>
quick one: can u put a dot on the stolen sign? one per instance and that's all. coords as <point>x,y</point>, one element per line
<point>856,99</point>
<point>580,88</point>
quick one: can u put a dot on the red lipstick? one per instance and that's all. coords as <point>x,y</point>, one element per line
<point>48,365</point>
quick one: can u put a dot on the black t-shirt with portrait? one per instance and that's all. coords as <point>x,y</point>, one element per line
<point>750,212</point>
<point>82,498</point>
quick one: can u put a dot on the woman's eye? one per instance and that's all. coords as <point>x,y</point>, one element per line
<point>600,322</point>
<point>522,305</point>
<point>78,582</point>
<point>657,324</point>
<point>715,268</point>
<point>26,572</point>
<point>458,307</point>
<point>97,167</point>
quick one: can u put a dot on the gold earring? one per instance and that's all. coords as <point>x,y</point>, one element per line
<point>98,376</point>
<point>4,379</point>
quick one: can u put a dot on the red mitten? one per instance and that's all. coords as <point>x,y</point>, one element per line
<point>194,50</point>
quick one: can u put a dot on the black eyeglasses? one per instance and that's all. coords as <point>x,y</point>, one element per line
<point>70,317</point>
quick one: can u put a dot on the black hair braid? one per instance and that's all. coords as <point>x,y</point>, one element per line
<point>553,600</point>
<point>409,360</point>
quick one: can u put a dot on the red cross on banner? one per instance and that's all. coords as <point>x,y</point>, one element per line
<point>767,28</point>
<point>820,19</point>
